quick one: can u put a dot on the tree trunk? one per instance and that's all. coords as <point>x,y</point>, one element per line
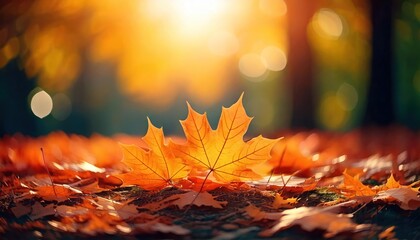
<point>300,75</point>
<point>380,98</point>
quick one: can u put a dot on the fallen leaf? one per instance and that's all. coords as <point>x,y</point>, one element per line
<point>183,199</point>
<point>90,223</point>
<point>203,199</point>
<point>20,210</point>
<point>388,234</point>
<point>391,183</point>
<point>56,192</point>
<point>311,218</point>
<point>257,215</point>
<point>222,152</point>
<point>64,210</point>
<point>39,211</point>
<point>154,168</point>
<point>280,202</point>
<point>406,197</point>
<point>353,187</point>
<point>124,210</point>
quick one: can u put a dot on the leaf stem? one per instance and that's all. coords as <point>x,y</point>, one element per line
<point>48,171</point>
<point>199,191</point>
<point>280,162</point>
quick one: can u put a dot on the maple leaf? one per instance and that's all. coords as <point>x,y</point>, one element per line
<point>257,215</point>
<point>407,197</point>
<point>91,223</point>
<point>311,218</point>
<point>353,187</point>
<point>155,167</point>
<point>189,198</point>
<point>124,210</point>
<point>280,202</point>
<point>56,192</point>
<point>223,152</point>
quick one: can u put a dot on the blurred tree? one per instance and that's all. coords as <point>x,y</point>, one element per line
<point>380,101</point>
<point>14,107</point>
<point>300,75</point>
<point>406,65</point>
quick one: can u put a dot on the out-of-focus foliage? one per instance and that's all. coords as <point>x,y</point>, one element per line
<point>407,63</point>
<point>160,48</point>
<point>339,34</point>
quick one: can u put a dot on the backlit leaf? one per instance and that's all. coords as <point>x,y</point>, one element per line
<point>223,152</point>
<point>155,167</point>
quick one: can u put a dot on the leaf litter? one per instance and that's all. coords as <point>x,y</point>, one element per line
<point>211,185</point>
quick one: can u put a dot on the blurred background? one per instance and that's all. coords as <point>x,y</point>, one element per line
<point>103,66</point>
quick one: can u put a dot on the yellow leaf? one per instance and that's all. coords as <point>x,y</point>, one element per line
<point>223,152</point>
<point>155,167</point>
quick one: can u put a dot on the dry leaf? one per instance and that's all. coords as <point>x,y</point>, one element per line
<point>39,211</point>
<point>406,197</point>
<point>280,202</point>
<point>258,215</point>
<point>154,168</point>
<point>56,192</point>
<point>223,152</point>
<point>124,210</point>
<point>388,234</point>
<point>183,199</point>
<point>91,223</point>
<point>203,199</point>
<point>353,187</point>
<point>64,210</point>
<point>20,210</point>
<point>392,183</point>
<point>310,218</point>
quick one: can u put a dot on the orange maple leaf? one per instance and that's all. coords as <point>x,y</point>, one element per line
<point>153,168</point>
<point>353,187</point>
<point>280,202</point>
<point>222,152</point>
<point>56,192</point>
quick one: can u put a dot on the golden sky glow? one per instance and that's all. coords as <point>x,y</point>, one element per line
<point>159,47</point>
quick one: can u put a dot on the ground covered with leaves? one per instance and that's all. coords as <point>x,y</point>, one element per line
<point>298,210</point>
<point>212,184</point>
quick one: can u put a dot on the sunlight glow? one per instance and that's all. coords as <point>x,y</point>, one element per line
<point>274,58</point>
<point>223,44</point>
<point>152,46</point>
<point>328,23</point>
<point>41,104</point>
<point>253,66</point>
<point>273,8</point>
<point>189,16</point>
<point>196,12</point>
